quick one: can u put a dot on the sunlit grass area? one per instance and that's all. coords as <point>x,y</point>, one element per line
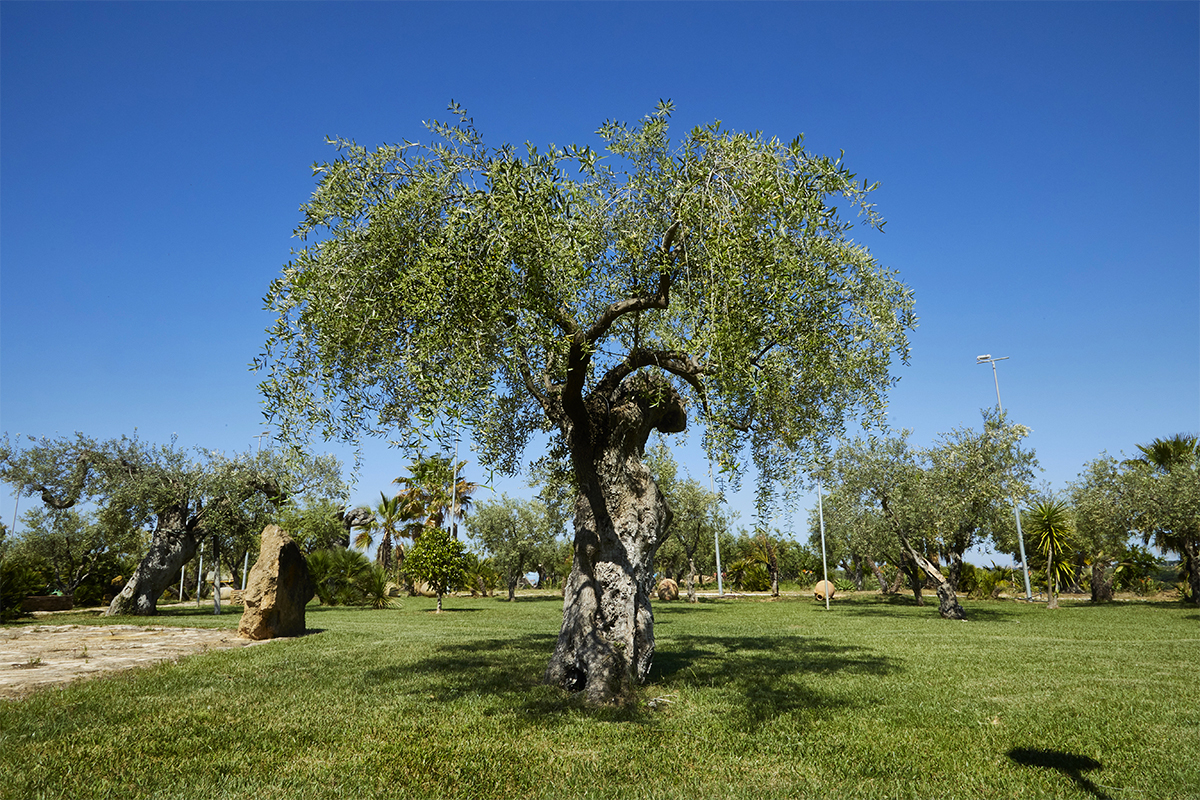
<point>748,698</point>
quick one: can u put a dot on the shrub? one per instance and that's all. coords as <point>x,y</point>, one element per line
<point>989,583</point>
<point>753,578</point>
<point>20,576</point>
<point>373,586</point>
<point>338,574</point>
<point>844,585</point>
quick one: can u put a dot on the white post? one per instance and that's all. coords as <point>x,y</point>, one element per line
<point>216,579</point>
<point>824,563</point>
<point>987,359</point>
<point>16,505</point>
<point>245,566</point>
<point>199,579</point>
<point>182,570</point>
<point>454,486</point>
<point>716,537</point>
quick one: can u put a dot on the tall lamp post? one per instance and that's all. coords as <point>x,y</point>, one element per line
<point>988,359</point>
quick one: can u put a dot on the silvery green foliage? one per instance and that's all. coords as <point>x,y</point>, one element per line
<point>518,535</point>
<point>452,280</point>
<point>132,484</point>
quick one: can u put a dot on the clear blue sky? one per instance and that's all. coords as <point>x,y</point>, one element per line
<point>1038,166</point>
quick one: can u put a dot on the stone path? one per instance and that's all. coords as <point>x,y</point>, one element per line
<point>36,656</point>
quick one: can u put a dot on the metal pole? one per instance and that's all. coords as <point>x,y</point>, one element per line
<point>824,561</point>
<point>716,537</point>
<point>454,486</point>
<point>16,505</point>
<point>245,566</point>
<point>199,579</point>
<point>216,578</point>
<point>182,576</point>
<point>1016,511</point>
<point>996,378</point>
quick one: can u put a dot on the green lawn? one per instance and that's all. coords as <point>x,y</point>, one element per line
<point>872,699</point>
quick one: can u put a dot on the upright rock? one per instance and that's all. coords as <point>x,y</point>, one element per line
<point>279,589</point>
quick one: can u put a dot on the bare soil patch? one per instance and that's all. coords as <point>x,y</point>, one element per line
<point>36,656</point>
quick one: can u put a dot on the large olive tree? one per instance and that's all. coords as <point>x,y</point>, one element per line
<point>599,296</point>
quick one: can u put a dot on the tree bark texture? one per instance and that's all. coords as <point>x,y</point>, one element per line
<point>1191,563</point>
<point>915,580</point>
<point>879,576</point>
<point>174,544</point>
<point>948,605</point>
<point>1102,584</point>
<point>606,642</point>
<point>691,580</point>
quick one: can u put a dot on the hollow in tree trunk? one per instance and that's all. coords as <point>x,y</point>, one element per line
<point>606,642</point>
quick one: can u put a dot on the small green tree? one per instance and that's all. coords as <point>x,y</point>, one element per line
<point>970,478</point>
<point>1049,524</point>
<point>389,520</point>
<point>887,478</point>
<point>73,544</point>
<point>696,518</point>
<point>433,492</point>
<point>437,559</point>
<point>316,523</point>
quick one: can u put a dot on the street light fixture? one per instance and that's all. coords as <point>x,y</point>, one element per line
<point>988,359</point>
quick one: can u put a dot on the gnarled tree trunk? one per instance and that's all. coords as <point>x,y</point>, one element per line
<point>174,544</point>
<point>1101,582</point>
<point>606,642</point>
<point>1191,565</point>
<point>948,605</point>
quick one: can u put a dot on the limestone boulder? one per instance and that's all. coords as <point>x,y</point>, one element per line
<point>822,590</point>
<point>278,590</point>
<point>668,590</point>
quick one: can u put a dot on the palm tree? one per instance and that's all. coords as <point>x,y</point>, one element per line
<point>389,516</point>
<point>1164,454</point>
<point>436,491</point>
<point>1164,497</point>
<point>1049,522</point>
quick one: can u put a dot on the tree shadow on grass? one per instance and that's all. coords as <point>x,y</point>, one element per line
<point>880,607</point>
<point>679,608</point>
<point>761,678</point>
<point>768,676</point>
<point>530,598</point>
<point>1071,765</point>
